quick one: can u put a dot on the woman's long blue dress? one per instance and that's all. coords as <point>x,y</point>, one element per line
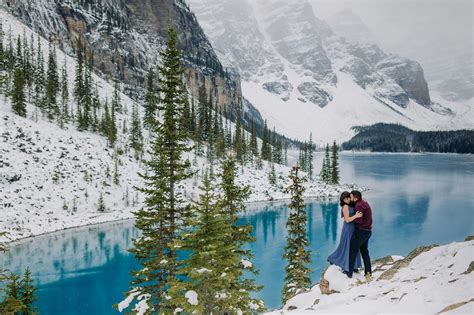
<point>341,256</point>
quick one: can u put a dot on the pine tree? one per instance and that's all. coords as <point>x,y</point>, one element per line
<point>116,173</point>
<point>79,81</point>
<point>27,292</point>
<point>296,253</point>
<point>272,178</point>
<point>232,202</point>
<point>253,139</point>
<point>101,206</point>
<point>11,302</point>
<point>266,150</point>
<point>116,102</point>
<point>326,168</point>
<point>211,255</point>
<point>335,164</point>
<point>64,94</point>
<point>18,92</point>
<point>310,157</point>
<point>164,208</point>
<point>136,137</point>
<point>151,106</point>
<point>111,127</point>
<point>52,86</point>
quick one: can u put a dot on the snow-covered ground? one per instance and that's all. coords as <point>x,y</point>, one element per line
<point>428,281</point>
<point>31,151</point>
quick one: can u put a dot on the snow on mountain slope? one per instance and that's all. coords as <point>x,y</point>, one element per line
<point>304,79</point>
<point>33,149</point>
<point>430,280</point>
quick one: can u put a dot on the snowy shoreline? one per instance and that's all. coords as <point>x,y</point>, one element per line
<point>79,227</point>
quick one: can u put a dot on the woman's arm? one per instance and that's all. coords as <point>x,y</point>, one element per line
<point>347,218</point>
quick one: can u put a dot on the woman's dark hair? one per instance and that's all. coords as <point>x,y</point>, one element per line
<point>344,195</point>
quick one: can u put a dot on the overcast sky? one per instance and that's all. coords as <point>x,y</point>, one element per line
<point>420,29</point>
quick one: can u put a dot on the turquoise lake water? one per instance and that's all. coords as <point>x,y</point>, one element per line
<point>416,200</point>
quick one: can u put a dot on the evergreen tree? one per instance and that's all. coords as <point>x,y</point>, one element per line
<point>232,202</point>
<point>28,293</point>
<point>151,101</point>
<point>296,253</point>
<point>116,102</point>
<point>116,173</point>
<point>136,137</point>
<point>39,77</point>
<point>10,302</point>
<point>211,255</point>
<point>79,84</point>
<point>253,139</point>
<point>18,92</point>
<point>266,150</point>
<point>64,94</point>
<point>326,168</point>
<point>101,205</point>
<point>111,127</point>
<point>52,86</point>
<point>164,209</point>
<point>272,178</point>
<point>335,164</point>
<point>238,135</point>
<point>310,157</point>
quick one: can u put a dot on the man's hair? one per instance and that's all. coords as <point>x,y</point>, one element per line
<point>357,194</point>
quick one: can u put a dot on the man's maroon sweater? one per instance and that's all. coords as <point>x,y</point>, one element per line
<point>365,222</point>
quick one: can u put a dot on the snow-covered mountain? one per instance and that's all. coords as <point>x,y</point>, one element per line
<point>304,78</point>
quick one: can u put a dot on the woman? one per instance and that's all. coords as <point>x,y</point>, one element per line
<point>341,256</point>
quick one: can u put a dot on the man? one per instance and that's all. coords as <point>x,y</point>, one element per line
<point>362,233</point>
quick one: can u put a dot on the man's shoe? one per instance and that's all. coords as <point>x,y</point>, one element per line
<point>368,277</point>
<point>356,270</point>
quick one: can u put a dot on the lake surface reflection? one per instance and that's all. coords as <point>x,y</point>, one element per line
<point>416,199</point>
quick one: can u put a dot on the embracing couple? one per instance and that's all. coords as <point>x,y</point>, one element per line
<point>355,235</point>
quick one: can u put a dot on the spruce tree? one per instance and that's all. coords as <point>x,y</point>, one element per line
<point>116,102</point>
<point>136,136</point>
<point>207,268</point>
<point>310,157</point>
<point>111,127</point>
<point>151,101</point>
<point>116,173</point>
<point>253,139</point>
<point>101,205</point>
<point>28,293</point>
<point>266,150</point>
<point>10,302</point>
<point>272,178</point>
<point>232,202</point>
<point>64,94</point>
<point>326,168</point>
<point>18,92</point>
<point>335,164</point>
<point>52,85</point>
<point>164,208</point>
<point>296,254</point>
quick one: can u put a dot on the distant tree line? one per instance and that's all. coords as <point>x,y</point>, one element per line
<point>396,138</point>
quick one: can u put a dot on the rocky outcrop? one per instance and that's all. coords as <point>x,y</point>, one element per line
<point>127,36</point>
<point>409,75</point>
<point>402,263</point>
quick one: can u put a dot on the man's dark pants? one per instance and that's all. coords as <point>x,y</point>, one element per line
<point>359,241</point>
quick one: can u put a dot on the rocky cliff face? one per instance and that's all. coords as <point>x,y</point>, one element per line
<point>126,37</point>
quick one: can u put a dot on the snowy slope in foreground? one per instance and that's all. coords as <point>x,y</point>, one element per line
<point>30,151</point>
<point>427,281</point>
